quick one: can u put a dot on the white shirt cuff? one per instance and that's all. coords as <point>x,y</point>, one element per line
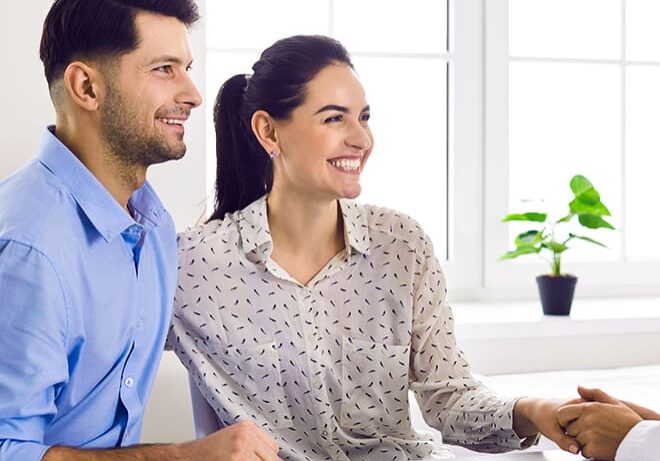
<point>642,443</point>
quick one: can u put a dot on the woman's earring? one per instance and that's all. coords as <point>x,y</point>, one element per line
<point>272,154</point>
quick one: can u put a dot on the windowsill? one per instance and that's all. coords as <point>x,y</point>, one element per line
<point>513,337</point>
<point>588,317</point>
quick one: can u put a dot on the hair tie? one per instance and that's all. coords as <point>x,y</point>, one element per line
<point>247,82</point>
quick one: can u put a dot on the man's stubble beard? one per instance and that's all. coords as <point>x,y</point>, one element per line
<point>130,142</point>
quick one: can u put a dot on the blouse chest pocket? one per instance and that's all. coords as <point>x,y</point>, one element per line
<point>375,388</point>
<point>255,373</point>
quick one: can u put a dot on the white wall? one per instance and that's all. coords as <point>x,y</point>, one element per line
<point>23,89</point>
<point>27,110</point>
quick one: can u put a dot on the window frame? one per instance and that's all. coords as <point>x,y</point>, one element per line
<point>513,279</point>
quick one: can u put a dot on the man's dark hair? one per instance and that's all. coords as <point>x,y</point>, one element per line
<point>97,29</point>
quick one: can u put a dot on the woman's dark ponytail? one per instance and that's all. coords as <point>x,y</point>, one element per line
<point>244,172</point>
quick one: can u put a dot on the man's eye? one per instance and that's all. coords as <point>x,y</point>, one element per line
<point>166,69</point>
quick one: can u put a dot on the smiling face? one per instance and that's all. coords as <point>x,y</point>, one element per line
<point>327,140</point>
<point>149,94</point>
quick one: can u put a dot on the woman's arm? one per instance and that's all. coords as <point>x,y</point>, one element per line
<point>464,410</point>
<point>451,399</point>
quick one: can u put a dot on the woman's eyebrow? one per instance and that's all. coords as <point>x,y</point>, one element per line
<point>341,109</point>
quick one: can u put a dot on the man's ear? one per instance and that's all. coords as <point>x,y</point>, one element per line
<point>83,83</point>
<point>263,127</point>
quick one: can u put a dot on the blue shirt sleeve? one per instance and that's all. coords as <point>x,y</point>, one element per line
<point>33,364</point>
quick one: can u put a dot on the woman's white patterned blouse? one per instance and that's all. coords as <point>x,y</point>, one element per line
<point>326,368</point>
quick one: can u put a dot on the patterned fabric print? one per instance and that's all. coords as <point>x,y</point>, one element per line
<point>372,372</point>
<point>326,368</point>
<point>256,369</point>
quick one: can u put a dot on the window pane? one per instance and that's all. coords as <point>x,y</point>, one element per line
<point>413,26</point>
<point>642,161</point>
<point>565,28</point>
<point>565,120</point>
<point>258,23</point>
<point>642,32</point>
<point>407,168</point>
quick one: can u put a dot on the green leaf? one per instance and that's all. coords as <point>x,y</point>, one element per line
<point>555,247</point>
<point>530,237</point>
<point>587,239</point>
<point>594,222</point>
<point>584,190</point>
<point>578,206</point>
<point>580,184</point>
<point>589,197</point>
<point>525,250</point>
<point>566,218</point>
<point>532,216</point>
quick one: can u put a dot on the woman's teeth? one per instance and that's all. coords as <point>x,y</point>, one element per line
<point>347,164</point>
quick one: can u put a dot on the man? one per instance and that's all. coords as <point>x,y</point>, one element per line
<point>87,251</point>
<point>610,429</point>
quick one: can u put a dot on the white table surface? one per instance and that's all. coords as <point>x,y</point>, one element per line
<point>548,455</point>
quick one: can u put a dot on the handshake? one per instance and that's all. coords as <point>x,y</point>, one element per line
<point>594,424</point>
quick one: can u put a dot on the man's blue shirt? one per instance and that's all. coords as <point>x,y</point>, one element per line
<point>85,298</point>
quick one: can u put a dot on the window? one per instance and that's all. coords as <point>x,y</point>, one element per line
<point>479,105</point>
<point>401,52</point>
<point>571,87</point>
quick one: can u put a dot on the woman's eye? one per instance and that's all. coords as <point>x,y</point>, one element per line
<point>334,118</point>
<point>365,117</point>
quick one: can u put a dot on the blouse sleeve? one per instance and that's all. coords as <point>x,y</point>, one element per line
<point>464,410</point>
<point>179,295</point>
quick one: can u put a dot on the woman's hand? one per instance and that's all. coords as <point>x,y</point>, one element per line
<point>531,416</point>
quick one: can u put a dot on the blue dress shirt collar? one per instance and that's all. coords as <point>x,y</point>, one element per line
<point>104,212</point>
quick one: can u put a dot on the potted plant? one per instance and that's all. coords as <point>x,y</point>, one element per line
<point>546,240</point>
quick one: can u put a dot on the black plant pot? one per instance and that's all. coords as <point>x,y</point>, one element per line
<point>556,293</point>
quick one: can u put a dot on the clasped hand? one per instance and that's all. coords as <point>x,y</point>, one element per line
<point>598,422</point>
<point>593,424</point>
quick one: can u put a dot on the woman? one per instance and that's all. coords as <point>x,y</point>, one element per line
<point>309,313</point>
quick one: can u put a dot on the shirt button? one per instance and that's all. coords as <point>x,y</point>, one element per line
<point>129,382</point>
<point>324,433</point>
